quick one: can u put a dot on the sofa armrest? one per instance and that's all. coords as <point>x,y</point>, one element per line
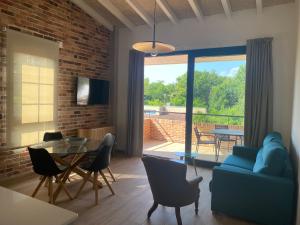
<point>245,152</point>
<point>258,197</point>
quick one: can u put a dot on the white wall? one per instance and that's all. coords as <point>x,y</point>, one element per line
<point>218,31</point>
<point>295,136</point>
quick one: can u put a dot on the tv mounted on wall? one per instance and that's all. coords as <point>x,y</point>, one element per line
<point>92,91</point>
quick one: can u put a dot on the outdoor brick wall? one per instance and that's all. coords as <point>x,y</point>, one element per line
<point>174,130</point>
<point>147,129</point>
<point>85,52</point>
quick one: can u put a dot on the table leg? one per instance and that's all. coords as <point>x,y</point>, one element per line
<point>75,169</point>
<point>72,167</point>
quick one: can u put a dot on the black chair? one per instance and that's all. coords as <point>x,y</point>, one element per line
<point>52,136</point>
<point>224,138</point>
<point>44,165</point>
<point>96,162</point>
<point>169,185</point>
<point>201,141</point>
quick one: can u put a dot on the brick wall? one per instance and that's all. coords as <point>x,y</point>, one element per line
<point>85,52</point>
<point>147,129</point>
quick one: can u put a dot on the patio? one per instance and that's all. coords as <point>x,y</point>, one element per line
<point>169,149</point>
<point>164,135</point>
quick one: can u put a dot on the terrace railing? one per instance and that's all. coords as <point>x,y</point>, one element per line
<point>197,117</point>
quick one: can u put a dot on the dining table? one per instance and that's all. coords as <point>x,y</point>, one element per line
<point>226,132</point>
<point>70,152</point>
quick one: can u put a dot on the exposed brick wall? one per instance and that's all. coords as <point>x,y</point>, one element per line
<point>85,52</point>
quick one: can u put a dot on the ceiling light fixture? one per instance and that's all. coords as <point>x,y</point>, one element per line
<point>153,47</point>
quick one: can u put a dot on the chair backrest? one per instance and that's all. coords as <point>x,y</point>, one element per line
<point>52,136</point>
<point>42,162</point>
<point>219,126</point>
<point>197,133</point>
<point>103,155</point>
<point>167,179</point>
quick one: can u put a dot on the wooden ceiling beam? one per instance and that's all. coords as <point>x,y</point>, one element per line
<point>117,13</point>
<point>93,13</point>
<point>196,9</point>
<point>167,10</point>
<point>259,7</point>
<point>227,8</point>
<point>137,8</point>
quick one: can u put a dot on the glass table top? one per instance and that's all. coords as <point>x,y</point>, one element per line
<point>69,145</point>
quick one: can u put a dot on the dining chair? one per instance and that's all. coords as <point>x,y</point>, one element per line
<point>52,136</point>
<point>44,165</point>
<point>223,137</point>
<point>169,186</point>
<point>96,162</point>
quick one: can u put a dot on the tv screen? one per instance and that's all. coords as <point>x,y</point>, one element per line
<point>92,91</point>
<point>99,92</point>
<point>83,90</point>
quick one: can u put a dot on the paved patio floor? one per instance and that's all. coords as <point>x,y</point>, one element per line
<point>169,149</point>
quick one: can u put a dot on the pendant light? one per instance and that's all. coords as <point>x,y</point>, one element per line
<point>153,47</point>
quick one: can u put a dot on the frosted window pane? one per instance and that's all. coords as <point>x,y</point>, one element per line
<point>46,94</point>
<point>46,113</point>
<point>30,114</point>
<point>30,93</point>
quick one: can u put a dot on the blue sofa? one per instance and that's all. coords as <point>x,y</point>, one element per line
<point>256,184</point>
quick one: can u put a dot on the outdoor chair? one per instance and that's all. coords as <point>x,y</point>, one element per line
<point>202,141</point>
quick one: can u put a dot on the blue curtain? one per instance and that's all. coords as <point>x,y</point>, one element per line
<point>135,104</point>
<point>259,91</point>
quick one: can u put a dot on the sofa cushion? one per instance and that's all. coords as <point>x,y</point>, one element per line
<point>271,159</point>
<point>272,137</point>
<point>240,162</point>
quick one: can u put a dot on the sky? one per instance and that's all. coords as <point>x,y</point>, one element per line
<point>169,73</point>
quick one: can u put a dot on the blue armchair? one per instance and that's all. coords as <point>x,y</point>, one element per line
<point>256,184</point>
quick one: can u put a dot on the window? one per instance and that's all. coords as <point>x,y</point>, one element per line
<point>31,88</point>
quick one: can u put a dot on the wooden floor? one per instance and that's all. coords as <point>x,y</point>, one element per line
<point>132,200</point>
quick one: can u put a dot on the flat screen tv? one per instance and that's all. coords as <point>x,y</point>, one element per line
<point>92,91</point>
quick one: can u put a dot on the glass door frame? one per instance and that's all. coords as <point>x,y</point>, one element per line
<point>192,55</point>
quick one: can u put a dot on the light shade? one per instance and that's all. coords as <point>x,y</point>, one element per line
<point>147,47</point>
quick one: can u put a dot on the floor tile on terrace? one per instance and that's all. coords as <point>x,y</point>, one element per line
<point>169,149</point>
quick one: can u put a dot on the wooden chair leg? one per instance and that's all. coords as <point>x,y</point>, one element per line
<point>38,186</point>
<point>50,186</point>
<point>86,178</point>
<point>106,181</point>
<point>111,174</point>
<point>63,186</point>
<point>96,187</point>
<point>152,209</point>
<point>178,217</point>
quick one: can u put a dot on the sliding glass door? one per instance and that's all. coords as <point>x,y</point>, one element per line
<point>218,105</point>
<point>165,82</point>
<point>194,103</point>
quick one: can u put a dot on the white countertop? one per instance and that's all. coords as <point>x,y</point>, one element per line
<point>19,209</point>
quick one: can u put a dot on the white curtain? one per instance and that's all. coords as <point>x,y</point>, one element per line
<point>32,73</point>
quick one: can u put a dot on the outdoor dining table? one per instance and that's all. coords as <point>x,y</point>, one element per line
<point>76,148</point>
<point>226,132</point>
